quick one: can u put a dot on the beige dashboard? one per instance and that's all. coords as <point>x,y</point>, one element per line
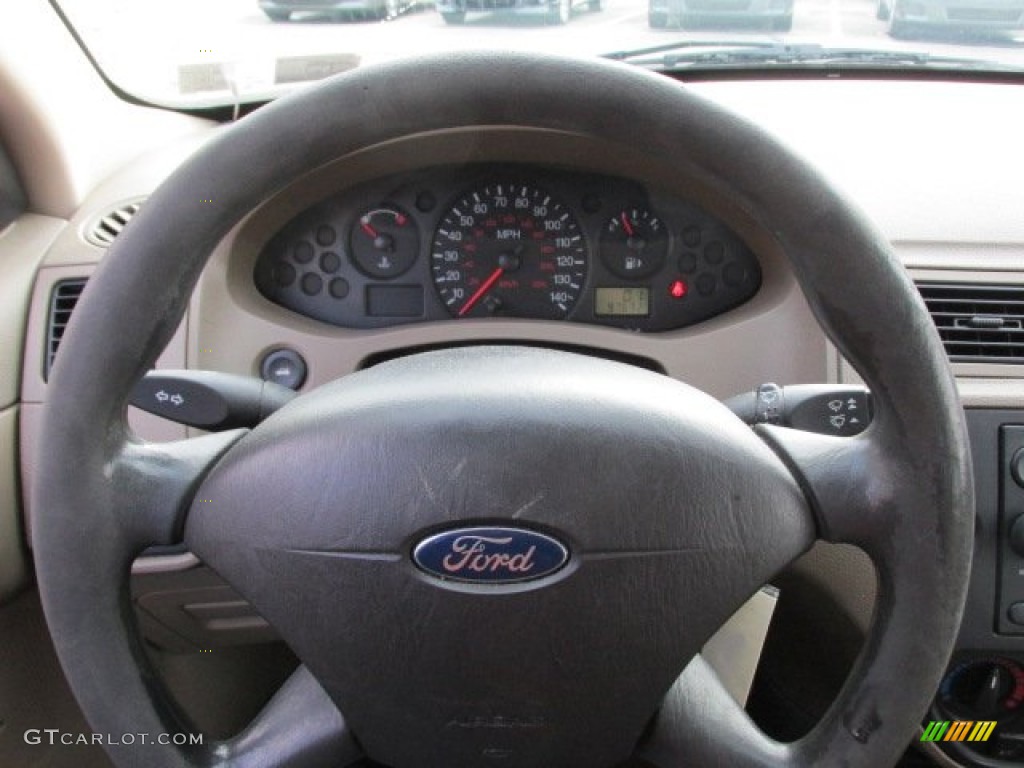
<point>952,219</point>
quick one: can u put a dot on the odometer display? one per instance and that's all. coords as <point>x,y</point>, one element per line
<point>622,302</point>
<point>509,250</point>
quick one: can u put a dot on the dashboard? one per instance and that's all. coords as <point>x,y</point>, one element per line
<point>507,241</point>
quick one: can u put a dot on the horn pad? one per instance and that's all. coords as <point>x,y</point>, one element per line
<point>501,555</point>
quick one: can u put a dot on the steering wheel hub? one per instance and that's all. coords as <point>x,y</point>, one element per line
<point>397,516</point>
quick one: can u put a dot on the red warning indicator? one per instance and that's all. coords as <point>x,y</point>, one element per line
<point>677,289</point>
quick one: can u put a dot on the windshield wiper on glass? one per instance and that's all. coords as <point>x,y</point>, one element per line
<point>742,54</point>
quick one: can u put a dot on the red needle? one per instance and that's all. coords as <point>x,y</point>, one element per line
<point>364,224</point>
<point>487,284</point>
<point>626,225</point>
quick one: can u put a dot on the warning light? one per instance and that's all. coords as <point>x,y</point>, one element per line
<point>677,289</point>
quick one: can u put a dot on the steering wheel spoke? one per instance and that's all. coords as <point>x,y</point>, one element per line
<point>300,726</point>
<point>156,483</point>
<point>701,724</point>
<point>848,481</point>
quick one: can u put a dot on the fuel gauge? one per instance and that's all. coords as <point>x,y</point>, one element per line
<point>634,243</point>
<point>384,242</point>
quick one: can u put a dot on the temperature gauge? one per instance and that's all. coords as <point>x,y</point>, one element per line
<point>384,242</point>
<point>634,243</point>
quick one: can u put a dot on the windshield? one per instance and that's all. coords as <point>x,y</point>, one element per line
<point>199,53</point>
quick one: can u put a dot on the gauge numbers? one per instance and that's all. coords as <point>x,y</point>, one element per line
<point>509,250</point>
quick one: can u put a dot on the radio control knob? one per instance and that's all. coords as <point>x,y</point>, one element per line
<point>1017,467</point>
<point>1017,535</point>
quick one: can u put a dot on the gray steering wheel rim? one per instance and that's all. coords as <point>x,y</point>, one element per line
<point>919,537</point>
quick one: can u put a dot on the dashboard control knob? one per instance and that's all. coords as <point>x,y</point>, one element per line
<point>1017,535</point>
<point>983,689</point>
<point>1017,467</point>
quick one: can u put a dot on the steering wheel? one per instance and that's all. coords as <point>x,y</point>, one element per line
<point>650,511</point>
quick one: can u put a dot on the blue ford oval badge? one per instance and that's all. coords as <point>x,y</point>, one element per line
<point>490,555</point>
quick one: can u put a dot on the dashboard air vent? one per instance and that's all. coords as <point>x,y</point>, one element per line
<point>978,323</point>
<point>62,303</point>
<point>102,230</point>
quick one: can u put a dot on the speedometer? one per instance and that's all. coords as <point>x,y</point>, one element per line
<point>509,250</point>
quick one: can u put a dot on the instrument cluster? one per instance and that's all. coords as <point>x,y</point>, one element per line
<point>508,241</point>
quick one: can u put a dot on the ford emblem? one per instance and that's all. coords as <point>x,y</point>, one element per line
<point>491,555</point>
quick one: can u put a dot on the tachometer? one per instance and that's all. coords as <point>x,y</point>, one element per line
<point>509,250</point>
